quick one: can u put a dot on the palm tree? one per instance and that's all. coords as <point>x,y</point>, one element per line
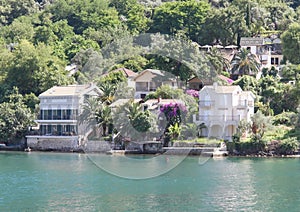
<point>217,60</point>
<point>96,113</point>
<point>104,117</point>
<point>108,90</point>
<point>131,121</point>
<point>132,110</point>
<point>91,107</point>
<point>245,63</point>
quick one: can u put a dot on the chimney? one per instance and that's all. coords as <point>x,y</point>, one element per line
<point>215,85</point>
<point>158,99</point>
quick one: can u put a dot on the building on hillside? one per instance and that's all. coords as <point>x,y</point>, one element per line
<point>150,79</point>
<point>221,108</point>
<point>196,83</point>
<point>59,119</point>
<point>268,50</point>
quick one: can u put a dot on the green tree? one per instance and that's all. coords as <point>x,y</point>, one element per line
<point>34,69</point>
<point>132,14</point>
<point>108,90</point>
<point>12,9</point>
<point>245,63</point>
<point>279,96</point>
<point>15,118</point>
<point>247,83</point>
<point>291,72</point>
<point>186,16</point>
<point>84,14</point>
<point>96,114</point>
<point>21,28</point>
<point>260,124</point>
<point>104,118</point>
<point>291,43</point>
<point>107,34</point>
<point>225,25</point>
<point>218,61</point>
<point>131,121</point>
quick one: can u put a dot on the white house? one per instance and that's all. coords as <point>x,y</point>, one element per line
<point>58,121</point>
<point>221,108</point>
<point>150,79</point>
<point>268,50</point>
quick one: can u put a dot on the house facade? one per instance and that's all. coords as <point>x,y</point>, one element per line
<point>59,118</point>
<point>221,108</point>
<point>150,79</point>
<point>268,50</point>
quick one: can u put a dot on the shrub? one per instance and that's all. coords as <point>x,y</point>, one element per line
<point>193,93</point>
<point>252,146</point>
<point>189,130</point>
<point>288,146</point>
<point>286,118</point>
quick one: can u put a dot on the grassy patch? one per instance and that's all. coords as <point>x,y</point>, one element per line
<point>201,141</point>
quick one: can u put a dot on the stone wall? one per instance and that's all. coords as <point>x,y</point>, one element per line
<point>97,146</point>
<point>53,144</point>
<point>66,144</point>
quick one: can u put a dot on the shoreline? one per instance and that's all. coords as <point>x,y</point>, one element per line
<point>152,154</point>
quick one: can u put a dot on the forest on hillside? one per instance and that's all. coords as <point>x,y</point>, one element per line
<point>50,34</point>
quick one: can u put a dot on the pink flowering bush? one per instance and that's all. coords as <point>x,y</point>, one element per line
<point>173,112</point>
<point>193,93</point>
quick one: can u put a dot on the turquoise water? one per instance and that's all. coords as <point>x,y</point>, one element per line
<point>73,182</point>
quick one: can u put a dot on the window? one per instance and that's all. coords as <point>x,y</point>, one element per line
<point>274,61</point>
<point>49,129</point>
<point>49,115</point>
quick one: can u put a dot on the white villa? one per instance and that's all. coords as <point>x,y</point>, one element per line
<point>58,122</point>
<point>221,108</point>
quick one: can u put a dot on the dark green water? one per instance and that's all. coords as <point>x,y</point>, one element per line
<point>72,182</point>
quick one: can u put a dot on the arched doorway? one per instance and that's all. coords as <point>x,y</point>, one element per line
<point>216,131</point>
<point>230,130</point>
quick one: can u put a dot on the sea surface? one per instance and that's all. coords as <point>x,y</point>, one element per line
<point>80,182</point>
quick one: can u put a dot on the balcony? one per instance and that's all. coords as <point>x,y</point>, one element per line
<point>147,86</point>
<point>245,103</point>
<point>206,103</point>
<point>53,117</point>
<point>217,119</point>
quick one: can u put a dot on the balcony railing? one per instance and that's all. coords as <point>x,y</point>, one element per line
<point>206,103</point>
<point>215,118</point>
<point>144,88</point>
<point>39,133</point>
<point>245,103</point>
<point>54,117</point>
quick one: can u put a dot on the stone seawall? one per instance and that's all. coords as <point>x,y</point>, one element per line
<point>66,144</point>
<point>53,144</point>
<point>188,150</point>
<point>97,146</point>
